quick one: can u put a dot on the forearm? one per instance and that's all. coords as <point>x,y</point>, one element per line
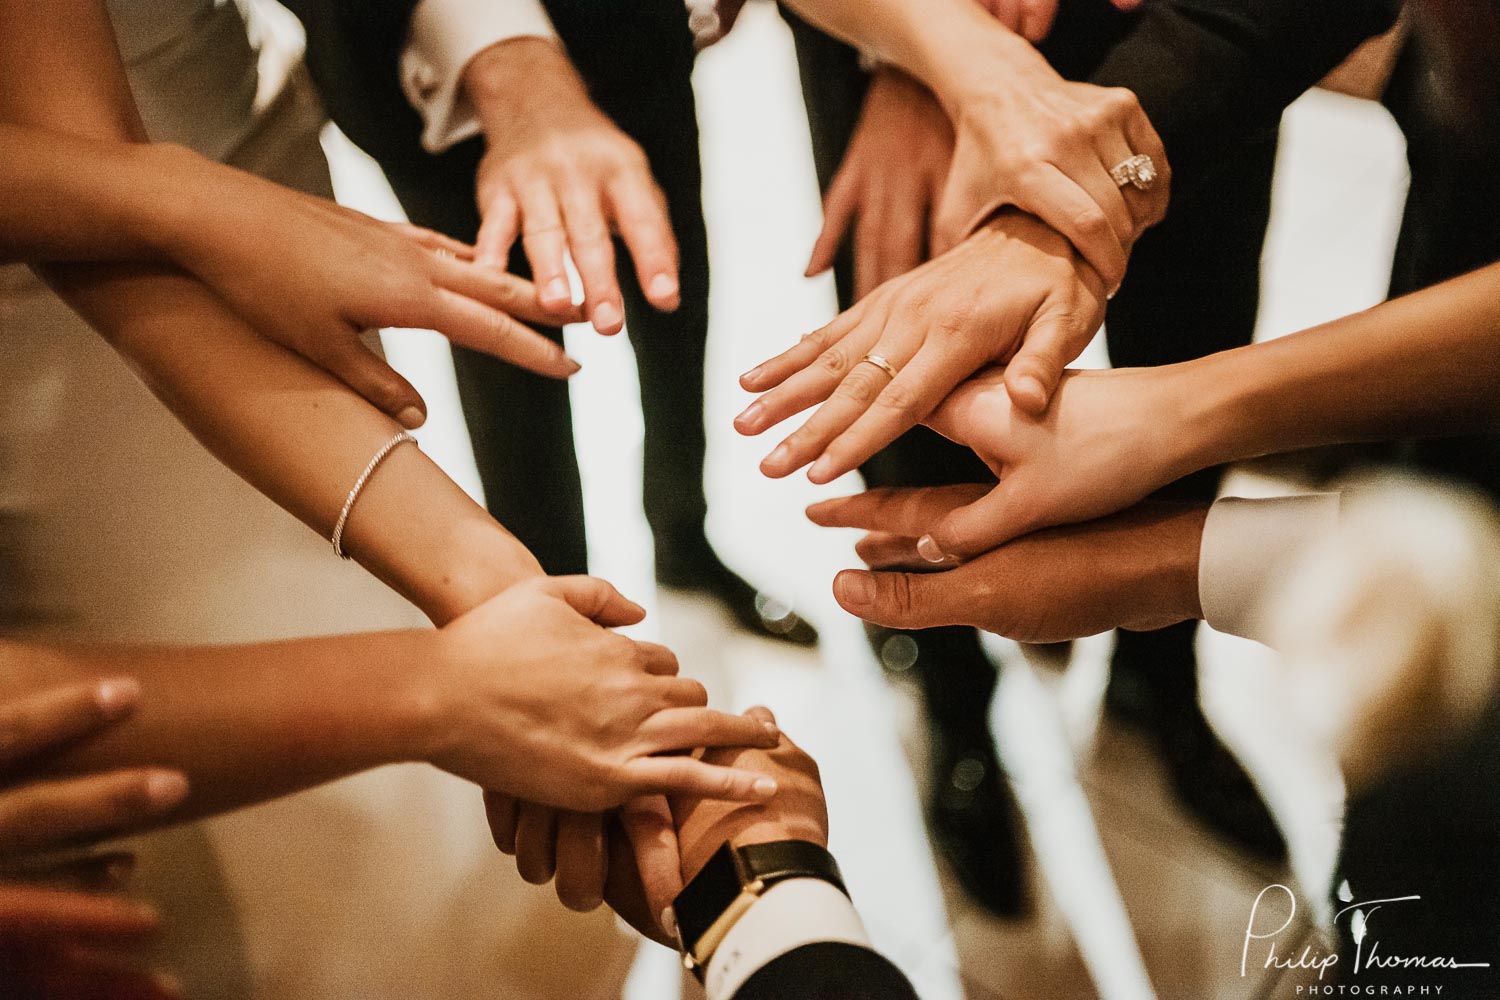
<point>1421,365</point>
<point>300,437</point>
<point>245,724</point>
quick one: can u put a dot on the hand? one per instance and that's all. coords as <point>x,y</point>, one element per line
<point>533,695</point>
<point>560,174</point>
<point>1109,440</point>
<point>313,276</point>
<point>1032,19</point>
<point>57,944</point>
<point>888,184</point>
<point>1136,570</point>
<point>1026,137</point>
<point>1014,291</point>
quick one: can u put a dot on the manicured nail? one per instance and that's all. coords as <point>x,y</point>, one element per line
<point>821,471</point>
<point>669,922</point>
<point>606,315</point>
<point>663,286</point>
<point>166,788</point>
<point>778,457</point>
<point>556,292</point>
<point>117,696</point>
<point>411,418</point>
<point>764,787</point>
<point>929,550</point>
<point>752,374</point>
<point>857,588</point>
<point>749,420</point>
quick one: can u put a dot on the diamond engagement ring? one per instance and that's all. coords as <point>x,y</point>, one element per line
<point>1139,171</point>
<point>880,363</point>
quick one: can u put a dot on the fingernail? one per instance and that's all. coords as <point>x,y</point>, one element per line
<point>663,286</point>
<point>669,922</point>
<point>749,420</point>
<point>773,731</point>
<point>116,697</point>
<point>166,788</point>
<point>557,292</point>
<point>411,418</point>
<point>169,983</point>
<point>779,456</point>
<point>764,787</point>
<point>821,471</point>
<point>606,314</point>
<point>573,367</point>
<point>857,588</point>
<point>752,374</point>
<point>120,869</point>
<point>487,260</point>
<point>929,550</point>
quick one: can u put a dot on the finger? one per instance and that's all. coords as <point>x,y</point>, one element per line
<point>692,728</point>
<point>1007,12</point>
<point>500,811</point>
<point>594,256</point>
<point>1059,201</point>
<point>868,251</point>
<point>1091,171</point>
<point>1036,18</point>
<point>814,383</point>
<point>1143,138</point>
<point>687,776</point>
<point>886,550</point>
<point>368,374</point>
<point>105,872</point>
<point>55,813</point>
<point>658,659</point>
<point>47,912</point>
<point>435,241</point>
<point>648,824</point>
<point>683,692</point>
<point>476,326</point>
<point>797,357</point>
<point>640,212</point>
<point>545,240</point>
<point>1113,150</point>
<point>581,860</point>
<point>83,974</point>
<point>976,528</point>
<point>597,600</point>
<point>902,511</point>
<point>1051,344</point>
<point>839,205</point>
<point>497,231</point>
<point>510,294</point>
<point>900,600</point>
<point>536,842</point>
<point>904,237</point>
<point>919,386</point>
<point>48,719</point>
<point>968,406</point>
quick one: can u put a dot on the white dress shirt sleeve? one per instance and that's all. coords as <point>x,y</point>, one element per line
<point>791,914</point>
<point>1248,548</point>
<point>443,37</point>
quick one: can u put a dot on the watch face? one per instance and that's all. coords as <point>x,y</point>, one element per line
<point>707,896</point>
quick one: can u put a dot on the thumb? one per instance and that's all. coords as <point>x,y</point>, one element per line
<point>381,385</point>
<point>973,530</point>
<point>897,600</point>
<point>597,600</point>
<point>1031,377</point>
<point>970,407</point>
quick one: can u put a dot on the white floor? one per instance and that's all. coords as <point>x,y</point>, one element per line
<point>1337,208</point>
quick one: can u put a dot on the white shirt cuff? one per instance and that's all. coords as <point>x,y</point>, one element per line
<point>443,37</point>
<point>791,914</point>
<point>1248,547</point>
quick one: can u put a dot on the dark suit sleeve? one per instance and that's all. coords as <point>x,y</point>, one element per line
<point>1212,73</point>
<point>828,970</point>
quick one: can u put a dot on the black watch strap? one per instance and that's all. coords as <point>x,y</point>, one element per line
<point>731,880</point>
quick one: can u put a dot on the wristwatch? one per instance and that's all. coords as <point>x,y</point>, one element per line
<point>731,882</point>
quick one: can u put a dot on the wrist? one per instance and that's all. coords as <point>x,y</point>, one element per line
<point>414,717</point>
<point>520,81</point>
<point>170,226</point>
<point>976,61</point>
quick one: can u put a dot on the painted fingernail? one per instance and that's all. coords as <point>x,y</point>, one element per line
<point>663,286</point>
<point>929,550</point>
<point>166,788</point>
<point>556,292</point>
<point>764,787</point>
<point>857,588</point>
<point>669,922</point>
<point>606,314</point>
<point>752,374</point>
<point>411,418</point>
<point>116,697</point>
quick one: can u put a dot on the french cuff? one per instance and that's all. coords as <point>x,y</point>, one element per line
<point>444,36</point>
<point>1248,547</point>
<point>791,914</point>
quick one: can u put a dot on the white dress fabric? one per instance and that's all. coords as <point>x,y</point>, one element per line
<point>118,527</point>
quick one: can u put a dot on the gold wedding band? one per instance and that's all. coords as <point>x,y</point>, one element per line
<point>880,363</point>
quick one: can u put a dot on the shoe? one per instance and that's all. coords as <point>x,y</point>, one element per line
<point>755,611</point>
<point>975,824</point>
<point>1153,687</point>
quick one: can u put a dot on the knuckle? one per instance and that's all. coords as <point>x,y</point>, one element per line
<point>860,386</point>
<point>898,398</point>
<point>694,691</point>
<point>1091,222</point>
<point>834,360</point>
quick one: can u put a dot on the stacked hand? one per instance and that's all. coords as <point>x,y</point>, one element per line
<point>1014,291</point>
<point>560,175</point>
<point>66,943</point>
